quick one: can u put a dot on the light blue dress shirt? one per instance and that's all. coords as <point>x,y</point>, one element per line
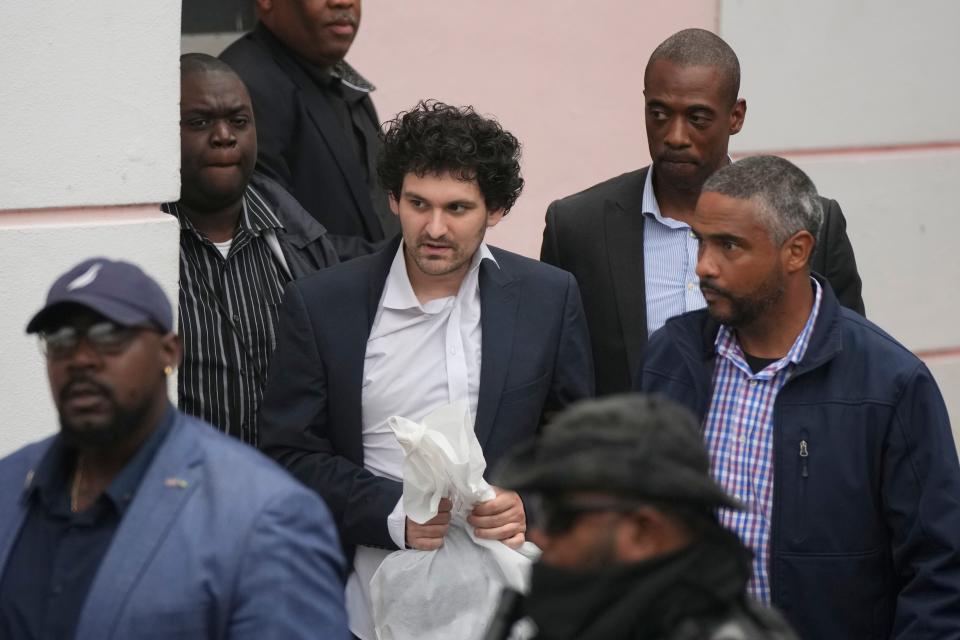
<point>669,263</point>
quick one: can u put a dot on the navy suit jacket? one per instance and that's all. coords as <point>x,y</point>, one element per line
<point>236,550</point>
<point>535,360</point>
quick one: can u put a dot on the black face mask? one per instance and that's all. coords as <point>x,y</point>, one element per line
<point>642,600</point>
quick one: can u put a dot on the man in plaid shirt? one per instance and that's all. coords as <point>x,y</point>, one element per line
<point>833,434</point>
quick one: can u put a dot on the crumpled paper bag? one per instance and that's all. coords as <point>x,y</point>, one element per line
<point>449,593</point>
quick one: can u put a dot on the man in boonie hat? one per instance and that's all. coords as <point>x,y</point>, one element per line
<point>138,520</point>
<point>622,504</point>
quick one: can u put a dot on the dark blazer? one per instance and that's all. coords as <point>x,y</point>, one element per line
<point>597,235</point>
<point>302,145</point>
<point>535,360</point>
<point>865,529</point>
<point>218,542</point>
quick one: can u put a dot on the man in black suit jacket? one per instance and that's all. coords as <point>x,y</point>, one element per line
<point>435,319</point>
<point>317,129</point>
<point>627,240</point>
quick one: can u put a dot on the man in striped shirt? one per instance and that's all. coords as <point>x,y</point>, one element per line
<point>833,434</point>
<point>242,239</point>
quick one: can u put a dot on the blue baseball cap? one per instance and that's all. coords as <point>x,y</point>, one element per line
<point>119,291</point>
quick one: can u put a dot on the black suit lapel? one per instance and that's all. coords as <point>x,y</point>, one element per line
<point>380,263</point>
<point>499,296</point>
<point>623,226</point>
<point>323,116</point>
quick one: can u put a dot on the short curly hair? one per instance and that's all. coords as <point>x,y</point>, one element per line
<point>437,138</point>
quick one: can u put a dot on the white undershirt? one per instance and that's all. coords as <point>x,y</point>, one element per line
<point>419,357</point>
<point>224,247</point>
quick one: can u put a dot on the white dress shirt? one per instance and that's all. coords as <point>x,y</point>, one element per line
<point>419,358</point>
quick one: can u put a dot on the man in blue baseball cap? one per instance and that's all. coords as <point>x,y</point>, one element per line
<point>136,519</point>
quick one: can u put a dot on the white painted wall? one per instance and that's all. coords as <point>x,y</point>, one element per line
<point>89,102</point>
<point>903,218</point>
<point>36,253</point>
<point>828,73</point>
<point>89,119</point>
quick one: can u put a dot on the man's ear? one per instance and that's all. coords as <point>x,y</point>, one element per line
<point>171,348</point>
<point>264,6</point>
<point>797,251</point>
<point>494,217</point>
<point>394,204</point>
<point>636,534</point>
<point>737,116</point>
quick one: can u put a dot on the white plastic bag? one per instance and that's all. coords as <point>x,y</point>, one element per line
<point>449,593</point>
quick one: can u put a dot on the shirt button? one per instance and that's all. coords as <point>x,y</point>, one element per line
<point>743,440</point>
<point>690,285</point>
<point>693,235</point>
<point>236,317</point>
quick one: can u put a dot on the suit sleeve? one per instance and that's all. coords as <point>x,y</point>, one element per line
<point>295,431</point>
<point>550,249</point>
<point>841,265</point>
<point>921,502</point>
<point>291,580</point>
<point>573,369</point>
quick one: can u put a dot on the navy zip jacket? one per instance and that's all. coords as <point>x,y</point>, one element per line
<point>865,538</point>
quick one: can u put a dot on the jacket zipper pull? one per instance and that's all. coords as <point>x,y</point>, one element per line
<point>804,454</point>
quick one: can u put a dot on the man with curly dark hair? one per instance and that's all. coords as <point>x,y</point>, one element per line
<point>435,318</point>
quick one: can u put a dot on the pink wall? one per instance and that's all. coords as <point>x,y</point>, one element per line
<point>565,77</point>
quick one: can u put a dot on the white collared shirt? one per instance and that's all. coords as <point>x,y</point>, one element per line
<point>419,357</point>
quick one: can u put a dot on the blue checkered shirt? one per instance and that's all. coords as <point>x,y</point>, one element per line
<point>739,435</point>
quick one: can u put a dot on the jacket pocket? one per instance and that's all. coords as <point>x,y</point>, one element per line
<point>828,596</point>
<point>522,391</point>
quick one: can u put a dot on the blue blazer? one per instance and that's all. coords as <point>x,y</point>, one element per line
<point>535,360</point>
<point>236,550</point>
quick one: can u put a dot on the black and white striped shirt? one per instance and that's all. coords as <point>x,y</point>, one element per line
<point>228,319</point>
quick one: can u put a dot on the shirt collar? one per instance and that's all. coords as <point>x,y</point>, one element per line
<point>398,293</point>
<point>351,77</point>
<point>727,345</point>
<point>341,72</point>
<point>255,216</point>
<point>649,204</point>
<point>651,208</point>
<point>52,477</point>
